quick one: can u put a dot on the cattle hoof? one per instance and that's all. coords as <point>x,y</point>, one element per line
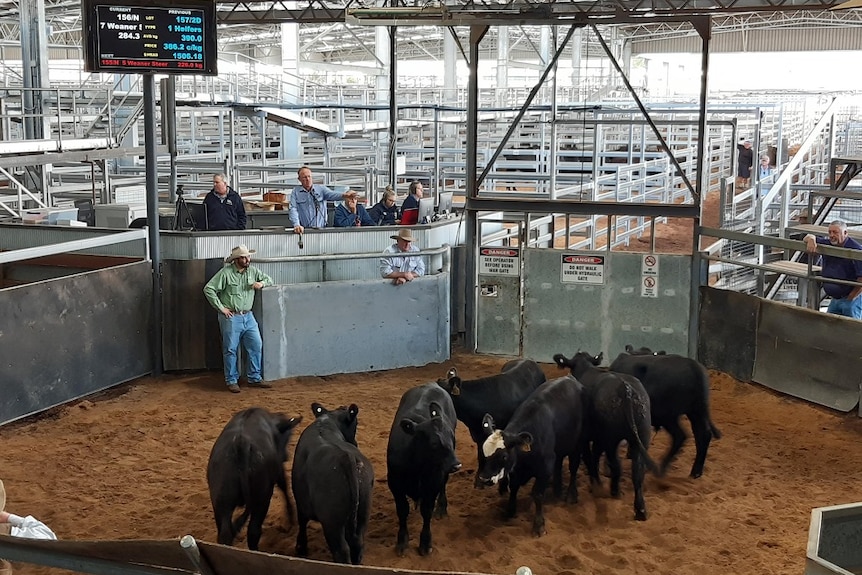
<point>400,550</point>
<point>640,515</point>
<point>696,474</point>
<point>425,551</point>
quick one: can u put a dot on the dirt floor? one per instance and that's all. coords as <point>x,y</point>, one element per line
<point>131,465</point>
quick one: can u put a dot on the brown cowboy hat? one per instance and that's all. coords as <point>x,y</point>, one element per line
<point>404,234</point>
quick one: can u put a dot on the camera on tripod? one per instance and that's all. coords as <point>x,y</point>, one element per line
<point>184,216</point>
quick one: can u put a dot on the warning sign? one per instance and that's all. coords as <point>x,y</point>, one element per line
<point>499,261</point>
<point>649,286</point>
<point>582,269</point>
<point>649,265</point>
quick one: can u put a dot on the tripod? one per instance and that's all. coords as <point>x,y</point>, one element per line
<point>183,217</point>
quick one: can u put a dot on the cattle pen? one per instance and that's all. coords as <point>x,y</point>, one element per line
<point>128,466</point>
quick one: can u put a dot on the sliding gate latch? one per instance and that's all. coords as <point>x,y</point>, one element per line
<point>488,290</point>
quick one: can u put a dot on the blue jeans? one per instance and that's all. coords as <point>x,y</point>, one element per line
<point>846,307</point>
<point>235,330</point>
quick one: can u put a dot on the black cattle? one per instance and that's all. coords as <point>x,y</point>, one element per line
<point>499,395</point>
<point>676,386</point>
<point>419,458</point>
<point>245,465</point>
<point>332,483</point>
<point>544,430</point>
<point>618,408</point>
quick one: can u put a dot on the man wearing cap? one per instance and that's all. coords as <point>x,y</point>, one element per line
<point>231,292</point>
<point>745,160</point>
<point>396,262</point>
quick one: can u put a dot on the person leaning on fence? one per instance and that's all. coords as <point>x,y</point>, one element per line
<point>308,202</point>
<point>396,263</point>
<point>231,291</point>
<point>845,298</point>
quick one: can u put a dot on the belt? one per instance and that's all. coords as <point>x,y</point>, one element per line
<point>241,312</point>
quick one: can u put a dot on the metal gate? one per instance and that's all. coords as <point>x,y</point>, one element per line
<point>563,301</point>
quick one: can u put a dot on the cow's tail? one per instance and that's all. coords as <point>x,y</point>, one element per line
<point>705,383</point>
<point>353,470</point>
<point>715,431</point>
<point>632,421</point>
<point>244,458</point>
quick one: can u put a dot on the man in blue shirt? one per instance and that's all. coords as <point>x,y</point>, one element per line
<point>308,202</point>
<point>845,298</point>
<point>225,210</point>
<point>352,214</point>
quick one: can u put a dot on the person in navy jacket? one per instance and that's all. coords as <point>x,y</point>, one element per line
<point>352,214</point>
<point>225,210</point>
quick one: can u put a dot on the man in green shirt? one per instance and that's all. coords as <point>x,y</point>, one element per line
<point>231,292</point>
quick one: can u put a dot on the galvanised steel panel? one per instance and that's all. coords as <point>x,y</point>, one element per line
<point>727,331</point>
<point>808,354</point>
<point>321,328</point>
<point>498,321</point>
<point>19,236</point>
<point>69,337</point>
<point>565,317</point>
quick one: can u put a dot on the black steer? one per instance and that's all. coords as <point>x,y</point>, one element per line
<point>676,386</point>
<point>419,458</point>
<point>544,430</point>
<point>245,465</point>
<point>618,408</point>
<point>499,395</point>
<point>332,483</point>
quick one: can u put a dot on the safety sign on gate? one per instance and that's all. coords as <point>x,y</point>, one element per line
<point>499,261</point>
<point>582,269</point>
<point>649,276</point>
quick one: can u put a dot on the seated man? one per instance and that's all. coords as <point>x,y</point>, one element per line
<point>396,262</point>
<point>352,214</point>
<point>384,212</point>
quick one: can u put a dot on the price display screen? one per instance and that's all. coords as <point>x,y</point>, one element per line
<point>142,36</point>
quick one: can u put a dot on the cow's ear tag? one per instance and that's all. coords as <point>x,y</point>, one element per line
<point>434,413</point>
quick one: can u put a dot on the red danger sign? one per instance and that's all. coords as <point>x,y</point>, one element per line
<point>499,252</point>
<point>590,260</point>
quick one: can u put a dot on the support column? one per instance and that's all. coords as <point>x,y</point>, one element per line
<point>577,41</point>
<point>290,137</point>
<point>450,80</point>
<point>383,54</point>
<point>502,66</point>
<point>34,59</point>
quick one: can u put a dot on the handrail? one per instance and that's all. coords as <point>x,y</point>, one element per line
<point>445,249</point>
<point>21,188</point>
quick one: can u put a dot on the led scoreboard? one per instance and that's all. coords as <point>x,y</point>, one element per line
<point>150,36</point>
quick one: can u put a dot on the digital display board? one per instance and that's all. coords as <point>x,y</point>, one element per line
<point>149,36</point>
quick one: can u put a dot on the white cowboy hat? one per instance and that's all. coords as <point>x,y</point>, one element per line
<point>404,234</point>
<point>239,252</point>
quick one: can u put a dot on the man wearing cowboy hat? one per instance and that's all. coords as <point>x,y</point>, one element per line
<point>396,264</point>
<point>231,292</point>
